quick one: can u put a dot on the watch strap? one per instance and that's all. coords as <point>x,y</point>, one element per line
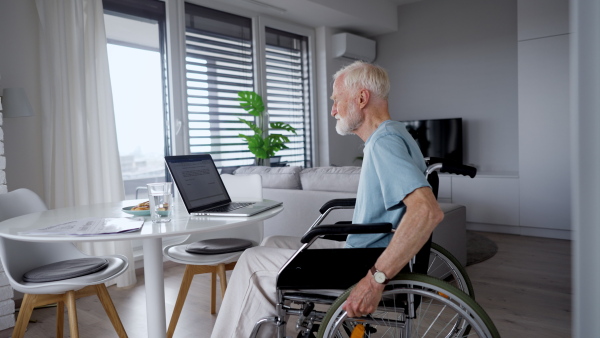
<point>374,271</point>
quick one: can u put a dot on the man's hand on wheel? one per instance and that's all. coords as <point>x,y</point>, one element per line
<point>364,297</point>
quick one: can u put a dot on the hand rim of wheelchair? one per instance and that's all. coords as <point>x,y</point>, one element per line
<point>464,281</point>
<point>477,318</point>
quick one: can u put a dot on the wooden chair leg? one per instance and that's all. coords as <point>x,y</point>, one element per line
<point>222,278</point>
<point>213,292</point>
<point>72,309</point>
<point>186,282</point>
<point>60,319</point>
<point>230,266</point>
<point>24,315</point>
<point>109,307</point>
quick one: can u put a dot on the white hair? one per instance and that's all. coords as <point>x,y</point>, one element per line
<point>361,74</point>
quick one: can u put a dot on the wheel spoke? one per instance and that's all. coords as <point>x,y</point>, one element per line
<point>440,311</point>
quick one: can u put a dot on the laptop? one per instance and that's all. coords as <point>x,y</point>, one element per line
<point>203,191</point>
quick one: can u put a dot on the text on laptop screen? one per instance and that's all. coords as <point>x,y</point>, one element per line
<point>199,182</point>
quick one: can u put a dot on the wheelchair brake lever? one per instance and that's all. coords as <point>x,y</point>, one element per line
<point>305,321</point>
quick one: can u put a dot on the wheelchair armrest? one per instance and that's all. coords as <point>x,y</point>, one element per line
<point>336,229</point>
<point>458,169</point>
<point>340,202</point>
<point>451,167</point>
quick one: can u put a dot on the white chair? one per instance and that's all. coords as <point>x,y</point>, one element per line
<point>240,188</point>
<point>19,257</point>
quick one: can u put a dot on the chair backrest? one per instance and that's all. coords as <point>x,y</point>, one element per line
<point>17,256</point>
<point>20,202</point>
<point>247,188</point>
<point>243,187</point>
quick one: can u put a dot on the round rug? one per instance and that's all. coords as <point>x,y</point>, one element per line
<point>479,248</point>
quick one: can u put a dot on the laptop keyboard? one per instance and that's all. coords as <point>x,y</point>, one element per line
<point>231,206</point>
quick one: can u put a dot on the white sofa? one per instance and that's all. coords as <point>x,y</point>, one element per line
<point>304,191</point>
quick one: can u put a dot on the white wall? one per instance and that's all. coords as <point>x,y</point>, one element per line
<point>459,59</point>
<point>19,67</point>
<point>585,142</point>
<point>544,147</point>
<point>503,67</point>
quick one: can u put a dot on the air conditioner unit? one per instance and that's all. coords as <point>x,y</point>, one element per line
<point>353,47</point>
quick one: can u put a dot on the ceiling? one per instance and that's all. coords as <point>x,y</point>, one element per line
<point>366,18</point>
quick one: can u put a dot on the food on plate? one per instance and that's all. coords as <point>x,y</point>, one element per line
<point>142,206</point>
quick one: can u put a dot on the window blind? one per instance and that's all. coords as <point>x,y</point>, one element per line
<point>219,63</point>
<point>288,95</point>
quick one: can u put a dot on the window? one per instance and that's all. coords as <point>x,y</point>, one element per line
<point>220,58</point>
<point>287,91</point>
<point>220,62</point>
<point>137,69</point>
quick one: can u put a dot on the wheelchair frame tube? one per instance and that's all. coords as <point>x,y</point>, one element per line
<point>324,215</point>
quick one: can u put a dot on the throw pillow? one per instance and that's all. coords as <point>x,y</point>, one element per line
<point>274,177</point>
<point>343,179</point>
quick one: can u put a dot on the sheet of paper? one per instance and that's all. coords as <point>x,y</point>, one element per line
<point>90,227</point>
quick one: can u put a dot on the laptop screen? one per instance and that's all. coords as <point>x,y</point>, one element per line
<point>198,181</point>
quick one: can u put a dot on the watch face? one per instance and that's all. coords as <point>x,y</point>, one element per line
<point>379,277</point>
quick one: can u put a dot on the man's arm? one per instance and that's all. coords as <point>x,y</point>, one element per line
<point>422,215</point>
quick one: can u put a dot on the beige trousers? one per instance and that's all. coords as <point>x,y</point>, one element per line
<point>251,292</point>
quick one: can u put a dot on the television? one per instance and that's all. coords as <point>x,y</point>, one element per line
<point>438,138</point>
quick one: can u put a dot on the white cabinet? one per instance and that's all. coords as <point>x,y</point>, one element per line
<point>544,145</point>
<point>542,18</point>
<point>489,199</point>
<point>495,203</point>
<point>544,120</point>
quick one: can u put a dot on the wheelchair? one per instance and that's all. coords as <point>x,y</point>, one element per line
<point>431,297</point>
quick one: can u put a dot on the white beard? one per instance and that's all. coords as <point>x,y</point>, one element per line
<point>352,121</point>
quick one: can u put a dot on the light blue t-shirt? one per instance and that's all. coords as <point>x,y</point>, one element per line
<point>393,167</point>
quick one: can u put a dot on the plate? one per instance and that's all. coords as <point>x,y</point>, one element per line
<point>136,212</point>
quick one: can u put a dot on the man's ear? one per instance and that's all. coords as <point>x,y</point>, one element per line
<point>364,96</point>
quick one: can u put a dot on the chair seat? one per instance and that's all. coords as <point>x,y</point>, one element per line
<point>178,253</point>
<point>61,273</point>
<point>65,269</point>
<point>116,265</point>
<point>217,246</point>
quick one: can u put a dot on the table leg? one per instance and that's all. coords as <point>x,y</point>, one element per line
<point>155,288</point>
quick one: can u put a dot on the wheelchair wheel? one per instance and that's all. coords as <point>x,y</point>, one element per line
<point>438,310</point>
<point>443,265</point>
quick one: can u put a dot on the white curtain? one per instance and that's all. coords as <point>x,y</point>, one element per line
<point>81,159</point>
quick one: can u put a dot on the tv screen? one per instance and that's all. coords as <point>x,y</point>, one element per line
<point>438,138</point>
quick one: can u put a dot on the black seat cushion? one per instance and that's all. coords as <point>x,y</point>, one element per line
<point>218,246</point>
<point>65,269</point>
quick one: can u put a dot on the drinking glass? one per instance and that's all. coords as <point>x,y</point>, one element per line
<point>161,206</point>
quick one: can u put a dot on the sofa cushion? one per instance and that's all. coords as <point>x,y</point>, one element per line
<point>343,179</point>
<point>274,177</point>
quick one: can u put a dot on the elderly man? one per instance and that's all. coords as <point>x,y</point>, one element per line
<point>392,189</point>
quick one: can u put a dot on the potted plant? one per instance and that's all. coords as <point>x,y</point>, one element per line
<point>262,144</point>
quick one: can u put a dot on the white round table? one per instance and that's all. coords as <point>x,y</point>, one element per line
<point>151,235</point>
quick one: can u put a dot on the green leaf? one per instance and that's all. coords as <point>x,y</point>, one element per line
<point>246,137</point>
<point>282,126</point>
<point>251,102</point>
<point>262,147</point>
<point>255,145</point>
<point>252,126</point>
<point>277,138</point>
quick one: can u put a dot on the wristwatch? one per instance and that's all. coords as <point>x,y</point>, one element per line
<point>379,276</point>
